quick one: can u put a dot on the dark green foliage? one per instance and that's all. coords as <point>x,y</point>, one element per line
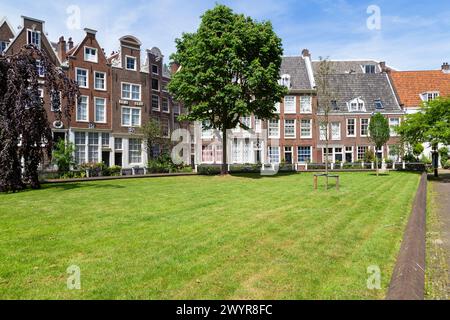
<point>63,156</point>
<point>25,134</point>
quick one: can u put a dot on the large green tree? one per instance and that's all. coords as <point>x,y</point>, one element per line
<point>379,133</point>
<point>430,125</point>
<point>229,69</point>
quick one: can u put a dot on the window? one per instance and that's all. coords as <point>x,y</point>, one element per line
<point>164,87</point>
<point>304,154</point>
<point>34,38</point>
<point>165,105</point>
<point>3,46</point>
<point>274,154</point>
<point>328,154</point>
<point>364,127</point>
<point>290,105</point>
<point>351,128</point>
<point>80,147</point>
<point>131,63</point>
<point>306,129</point>
<point>336,131</point>
<point>82,109</point>
<point>274,128</point>
<point>356,105</point>
<point>305,104</point>
<point>82,77</point>
<point>131,117</point>
<point>93,147</point>
<point>155,102</point>
<point>40,68</point>
<point>362,152</point>
<point>105,140</point>
<point>55,98</point>
<point>135,150</point>
<point>349,154</point>
<point>277,107</point>
<point>289,129</point>
<point>155,84</point>
<point>155,69</point>
<point>176,110</point>
<point>165,128</point>
<point>100,81</point>
<point>118,144</point>
<point>258,125</point>
<point>323,132</point>
<point>379,104</point>
<point>90,54</point>
<point>100,110</point>
<point>430,96</point>
<point>393,124</point>
<point>370,68</point>
<point>247,121</point>
<point>334,105</point>
<point>131,91</point>
<point>286,81</point>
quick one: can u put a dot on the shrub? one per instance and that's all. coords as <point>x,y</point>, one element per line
<point>114,171</point>
<point>369,156</point>
<point>424,159</point>
<point>208,170</point>
<point>62,156</point>
<point>443,152</point>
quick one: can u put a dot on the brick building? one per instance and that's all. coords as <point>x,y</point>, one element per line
<point>6,34</point>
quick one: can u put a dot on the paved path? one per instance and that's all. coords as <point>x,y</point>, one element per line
<point>441,188</point>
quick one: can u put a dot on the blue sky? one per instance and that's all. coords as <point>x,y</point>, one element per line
<point>414,34</point>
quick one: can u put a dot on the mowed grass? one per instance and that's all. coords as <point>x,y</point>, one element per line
<point>236,237</point>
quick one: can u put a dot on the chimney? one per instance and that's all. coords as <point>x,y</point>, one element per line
<point>384,68</point>
<point>90,32</point>
<point>174,67</point>
<point>70,44</point>
<point>305,53</point>
<point>61,49</point>
<point>445,68</point>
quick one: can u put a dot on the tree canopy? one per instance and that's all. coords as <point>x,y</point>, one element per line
<point>25,133</point>
<point>229,69</point>
<point>379,132</point>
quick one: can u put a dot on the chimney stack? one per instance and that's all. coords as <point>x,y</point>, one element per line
<point>174,67</point>
<point>61,49</point>
<point>445,68</point>
<point>90,32</point>
<point>70,43</point>
<point>306,53</point>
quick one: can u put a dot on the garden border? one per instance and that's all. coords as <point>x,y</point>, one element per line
<point>408,279</point>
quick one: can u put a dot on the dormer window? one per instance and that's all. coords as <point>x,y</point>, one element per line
<point>356,105</point>
<point>334,105</point>
<point>429,96</point>
<point>286,81</point>
<point>34,38</point>
<point>90,54</point>
<point>131,63</point>
<point>369,68</point>
<point>379,104</point>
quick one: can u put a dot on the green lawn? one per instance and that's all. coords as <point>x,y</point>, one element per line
<point>237,237</point>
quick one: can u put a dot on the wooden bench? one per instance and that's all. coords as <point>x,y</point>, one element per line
<point>316,178</point>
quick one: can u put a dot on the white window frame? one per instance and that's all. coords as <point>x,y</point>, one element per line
<point>361,127</point>
<point>360,105</point>
<point>270,155</point>
<point>130,124</point>
<point>131,91</point>
<point>294,106</point>
<point>295,129</point>
<point>168,105</point>
<point>393,126</point>
<point>278,129</point>
<point>310,153</point>
<point>95,110</point>
<point>310,129</point>
<point>89,57</point>
<point>129,151</point>
<point>308,110</point>
<point>126,63</point>
<point>104,81</point>
<point>159,102</point>
<point>333,137</point>
<point>3,46</point>
<point>87,77</point>
<point>87,110</point>
<point>157,67</point>
<point>29,40</point>
<point>354,129</point>
<point>323,128</point>
<point>285,81</point>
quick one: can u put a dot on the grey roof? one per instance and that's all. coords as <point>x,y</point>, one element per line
<point>346,67</point>
<point>368,87</point>
<point>296,68</point>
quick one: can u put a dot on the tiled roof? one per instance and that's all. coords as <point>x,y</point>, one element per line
<point>346,67</point>
<point>296,68</point>
<point>368,87</point>
<point>411,84</point>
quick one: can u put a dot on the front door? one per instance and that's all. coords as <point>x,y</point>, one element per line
<point>105,158</point>
<point>118,159</point>
<point>288,155</point>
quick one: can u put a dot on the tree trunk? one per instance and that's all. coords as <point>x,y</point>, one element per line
<point>224,170</point>
<point>376,162</point>
<point>326,160</point>
<point>435,162</point>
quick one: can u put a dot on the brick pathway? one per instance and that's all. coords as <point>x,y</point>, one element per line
<point>441,188</point>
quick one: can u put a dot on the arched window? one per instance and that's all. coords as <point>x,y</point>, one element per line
<point>356,105</point>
